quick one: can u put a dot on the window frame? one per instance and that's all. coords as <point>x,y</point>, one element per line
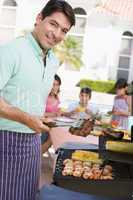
<point>9,6</point>
<point>130,38</point>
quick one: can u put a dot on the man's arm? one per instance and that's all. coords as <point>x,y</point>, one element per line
<point>13,113</point>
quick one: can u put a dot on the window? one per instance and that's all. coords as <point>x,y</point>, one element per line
<point>126,46</point>
<point>79,11</point>
<point>124,62</point>
<point>125,55</point>
<point>122,74</point>
<point>9,3</point>
<point>81,17</point>
<point>78,31</point>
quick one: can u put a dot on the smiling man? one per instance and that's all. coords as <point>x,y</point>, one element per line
<point>27,69</point>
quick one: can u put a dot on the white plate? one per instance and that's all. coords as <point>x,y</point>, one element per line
<point>64,119</point>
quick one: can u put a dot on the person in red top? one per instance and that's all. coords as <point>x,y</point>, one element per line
<point>52,110</point>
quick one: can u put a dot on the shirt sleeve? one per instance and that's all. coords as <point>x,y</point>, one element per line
<point>6,65</point>
<point>93,109</point>
<point>72,106</point>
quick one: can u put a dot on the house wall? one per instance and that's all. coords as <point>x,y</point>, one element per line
<point>85,4</point>
<point>7,23</point>
<point>101,40</point>
<point>113,66</point>
<point>102,44</point>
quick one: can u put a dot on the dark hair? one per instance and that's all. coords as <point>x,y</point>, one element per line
<point>57,78</point>
<point>121,83</point>
<point>59,6</point>
<point>86,90</point>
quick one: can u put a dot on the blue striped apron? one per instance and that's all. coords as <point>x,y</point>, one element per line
<point>19,165</point>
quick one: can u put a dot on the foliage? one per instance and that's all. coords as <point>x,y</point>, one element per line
<point>98,86</point>
<point>69,51</point>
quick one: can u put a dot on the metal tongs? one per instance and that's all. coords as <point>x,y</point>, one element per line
<point>77,123</point>
<point>58,124</point>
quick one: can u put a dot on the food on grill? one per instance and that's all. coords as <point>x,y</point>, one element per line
<point>50,124</point>
<point>86,156</point>
<point>86,170</point>
<point>96,166</point>
<point>87,163</point>
<point>109,177</point>
<point>67,161</point>
<point>68,169</point>
<point>107,173</point>
<point>109,167</point>
<point>124,147</point>
<point>84,129</point>
<point>78,170</point>
<point>77,173</point>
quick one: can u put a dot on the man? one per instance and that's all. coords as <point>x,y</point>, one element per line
<point>27,69</point>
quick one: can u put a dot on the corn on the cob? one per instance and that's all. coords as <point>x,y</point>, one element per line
<point>86,156</point>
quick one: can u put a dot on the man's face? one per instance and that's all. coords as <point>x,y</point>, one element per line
<point>51,30</point>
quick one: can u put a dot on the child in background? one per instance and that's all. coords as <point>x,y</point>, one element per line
<point>81,108</point>
<point>52,110</point>
<point>121,104</point>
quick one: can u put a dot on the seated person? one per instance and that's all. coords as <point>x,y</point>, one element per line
<point>81,108</point>
<point>52,110</point>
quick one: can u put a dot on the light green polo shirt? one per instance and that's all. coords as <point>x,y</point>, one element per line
<point>24,81</point>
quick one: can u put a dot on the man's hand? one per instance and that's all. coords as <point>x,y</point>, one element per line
<point>36,124</point>
<point>10,112</point>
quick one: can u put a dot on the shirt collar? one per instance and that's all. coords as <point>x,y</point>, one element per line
<point>37,49</point>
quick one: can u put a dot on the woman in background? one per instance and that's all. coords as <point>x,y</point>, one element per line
<point>52,110</point>
<point>53,101</point>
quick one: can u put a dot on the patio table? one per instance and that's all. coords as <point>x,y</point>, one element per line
<point>61,135</point>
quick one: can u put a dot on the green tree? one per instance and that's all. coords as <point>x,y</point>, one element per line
<point>70,52</point>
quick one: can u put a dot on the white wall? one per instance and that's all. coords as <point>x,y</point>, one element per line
<point>101,43</point>
<point>26,14</point>
<point>7,23</point>
<point>85,4</point>
<point>8,16</point>
<point>6,34</point>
